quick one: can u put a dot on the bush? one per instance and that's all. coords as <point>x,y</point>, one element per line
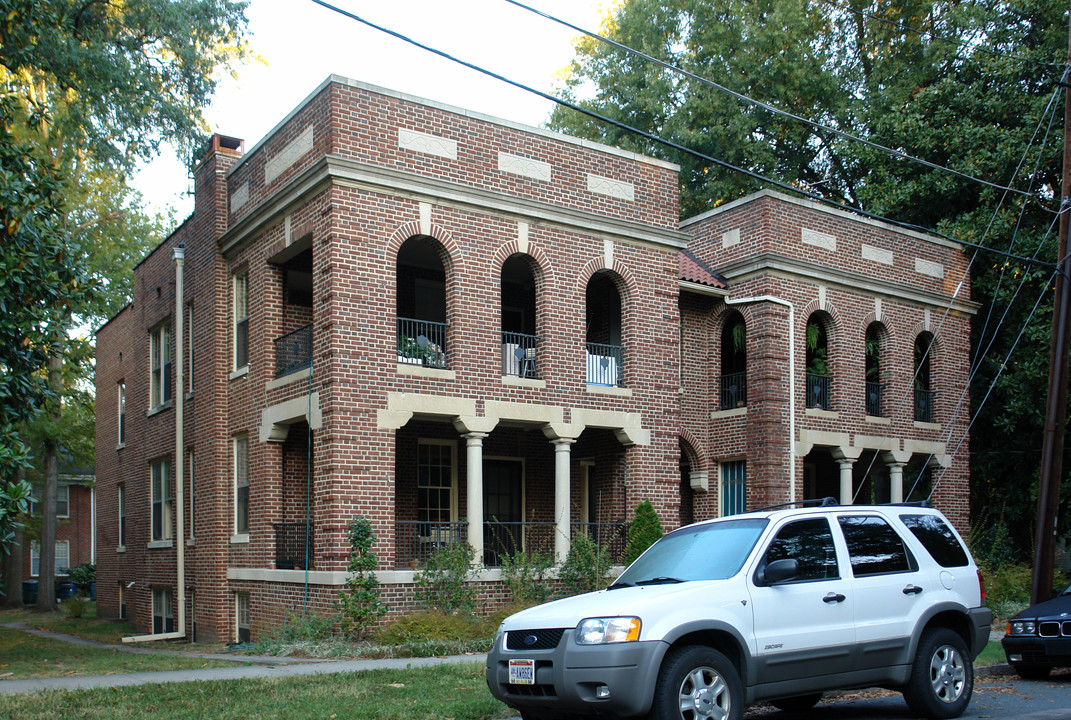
<point>526,576</point>
<point>77,605</point>
<point>1007,589</point>
<point>586,567</point>
<point>645,529</point>
<point>359,604</point>
<point>82,575</point>
<point>297,627</point>
<point>443,582</point>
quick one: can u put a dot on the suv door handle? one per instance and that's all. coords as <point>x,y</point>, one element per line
<point>833,598</point>
<point>912,590</point>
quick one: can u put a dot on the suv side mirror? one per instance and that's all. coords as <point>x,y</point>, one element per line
<point>781,570</point>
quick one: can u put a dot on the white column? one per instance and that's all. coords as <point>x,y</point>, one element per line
<point>896,482</point>
<point>846,480</point>
<point>562,452</point>
<point>474,491</point>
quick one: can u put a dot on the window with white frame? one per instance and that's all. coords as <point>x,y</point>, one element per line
<point>189,347</point>
<point>436,497</point>
<point>122,412</point>
<point>190,492</point>
<point>163,611</point>
<point>161,500</point>
<point>121,502</point>
<point>63,502</point>
<point>241,319</point>
<point>242,614</point>
<point>160,365</point>
<point>241,485</point>
<point>63,558</point>
<point>733,487</point>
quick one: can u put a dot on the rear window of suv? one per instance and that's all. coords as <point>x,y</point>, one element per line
<point>874,548</point>
<point>938,539</point>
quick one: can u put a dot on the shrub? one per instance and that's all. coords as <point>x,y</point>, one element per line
<point>77,605</point>
<point>1007,588</point>
<point>443,582</point>
<point>586,567</point>
<point>645,529</point>
<point>526,576</point>
<point>359,604</point>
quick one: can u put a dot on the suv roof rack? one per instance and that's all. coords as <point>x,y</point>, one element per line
<point>816,502</point>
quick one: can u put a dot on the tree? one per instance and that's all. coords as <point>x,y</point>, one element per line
<point>359,604</point>
<point>963,84</point>
<point>645,529</point>
<point>87,89</point>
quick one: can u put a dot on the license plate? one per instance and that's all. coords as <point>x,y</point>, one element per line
<point>522,672</point>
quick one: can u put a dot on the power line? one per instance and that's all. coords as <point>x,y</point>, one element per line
<point>765,106</point>
<point>674,145</point>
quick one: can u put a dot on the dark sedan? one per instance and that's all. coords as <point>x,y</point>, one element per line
<point>1039,638</point>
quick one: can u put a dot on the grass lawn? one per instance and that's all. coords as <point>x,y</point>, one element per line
<point>992,654</point>
<point>87,626</point>
<point>448,691</point>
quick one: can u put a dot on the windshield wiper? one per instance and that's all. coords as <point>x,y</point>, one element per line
<point>660,580</point>
<point>616,585</point>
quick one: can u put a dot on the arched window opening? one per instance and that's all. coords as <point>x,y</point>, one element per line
<point>734,362</point>
<point>605,353</point>
<point>875,375</point>
<point>819,376</point>
<point>421,303</point>
<point>924,394</point>
<point>519,340</point>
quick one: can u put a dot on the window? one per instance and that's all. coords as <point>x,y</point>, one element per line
<point>163,611</point>
<point>63,502</point>
<point>190,494</point>
<point>122,413</point>
<point>63,558</point>
<point>122,515</point>
<point>160,364</point>
<point>924,394</point>
<point>241,485</point>
<point>242,612</point>
<point>241,319</point>
<point>122,601</point>
<point>161,500</point>
<point>819,391</point>
<point>189,348</point>
<point>733,363</point>
<point>733,487</point>
<point>436,502</point>
<point>938,539</point>
<point>874,547</point>
<point>809,542</point>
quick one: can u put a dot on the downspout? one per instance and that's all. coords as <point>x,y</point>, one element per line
<point>179,254</point>
<point>791,380</point>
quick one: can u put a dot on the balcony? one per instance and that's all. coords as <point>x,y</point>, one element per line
<point>293,351</point>
<point>875,399</point>
<point>733,391</point>
<point>604,365</point>
<point>290,552</point>
<point>818,391</point>
<point>519,355</point>
<point>417,540</point>
<point>924,401</point>
<point>422,342</point>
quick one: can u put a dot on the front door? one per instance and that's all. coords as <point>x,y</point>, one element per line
<point>503,530</point>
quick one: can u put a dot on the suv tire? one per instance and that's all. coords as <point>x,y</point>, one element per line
<point>942,676</point>
<point>696,683</point>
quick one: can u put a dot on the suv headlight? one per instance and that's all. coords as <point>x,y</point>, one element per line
<point>600,631</point>
<point>1022,627</point>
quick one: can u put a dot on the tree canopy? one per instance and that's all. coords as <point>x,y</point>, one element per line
<point>967,85</point>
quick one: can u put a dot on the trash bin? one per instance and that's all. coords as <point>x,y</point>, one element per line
<point>65,590</point>
<point>29,592</point>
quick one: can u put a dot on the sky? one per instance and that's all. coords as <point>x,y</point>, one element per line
<point>299,44</point>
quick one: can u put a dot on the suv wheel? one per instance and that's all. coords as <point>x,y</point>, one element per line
<point>942,676</point>
<point>697,683</point>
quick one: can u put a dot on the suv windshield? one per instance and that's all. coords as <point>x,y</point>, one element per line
<point>714,551</point>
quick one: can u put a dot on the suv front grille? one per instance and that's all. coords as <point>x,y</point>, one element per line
<point>546,639</point>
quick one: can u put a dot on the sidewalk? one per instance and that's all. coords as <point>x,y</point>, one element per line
<point>261,666</point>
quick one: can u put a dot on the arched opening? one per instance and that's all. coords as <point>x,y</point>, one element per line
<point>874,346</point>
<point>819,369</point>
<point>733,362</point>
<point>421,303</point>
<point>924,393</point>
<point>519,356</point>
<point>605,353</point>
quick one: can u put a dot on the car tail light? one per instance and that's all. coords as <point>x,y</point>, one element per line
<point>981,585</point>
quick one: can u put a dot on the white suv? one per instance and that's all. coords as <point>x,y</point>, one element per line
<point>777,605</point>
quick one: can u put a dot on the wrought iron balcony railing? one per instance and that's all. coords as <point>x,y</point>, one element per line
<point>293,351</point>
<point>290,550</point>
<point>519,355</point>
<point>422,342</point>
<point>818,391</point>
<point>605,365</point>
<point>733,390</point>
<point>924,402</point>
<point>875,399</point>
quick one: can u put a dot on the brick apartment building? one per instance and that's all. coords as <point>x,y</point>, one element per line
<point>465,329</point>
<point>75,525</point>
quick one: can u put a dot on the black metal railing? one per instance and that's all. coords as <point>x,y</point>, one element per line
<point>924,402</point>
<point>293,351</point>
<point>604,365</point>
<point>733,391</point>
<point>875,399</point>
<point>519,355</point>
<point>501,539</point>
<point>290,549</point>
<point>818,391</point>
<point>611,536</point>
<point>422,342</point>
<point>416,540</point>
